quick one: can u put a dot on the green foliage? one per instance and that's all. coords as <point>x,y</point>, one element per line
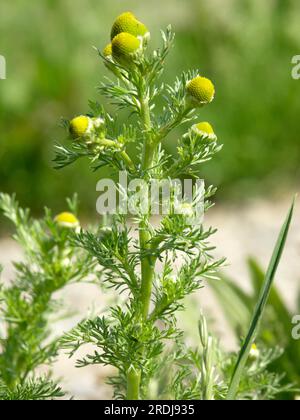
<point>34,389</point>
<point>256,381</point>
<point>260,307</point>
<point>133,336</point>
<point>139,335</point>
<point>136,335</point>
<point>27,302</point>
<point>51,73</point>
<point>204,373</point>
<point>275,327</point>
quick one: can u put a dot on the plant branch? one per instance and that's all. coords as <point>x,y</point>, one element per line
<point>147,262</point>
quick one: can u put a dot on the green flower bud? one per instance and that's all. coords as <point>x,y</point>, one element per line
<point>105,231</point>
<point>127,22</point>
<point>170,286</point>
<point>98,123</point>
<point>254,353</point>
<point>186,209</point>
<point>125,48</point>
<point>87,128</point>
<point>199,92</point>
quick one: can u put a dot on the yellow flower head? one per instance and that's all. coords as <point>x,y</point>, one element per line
<point>124,47</point>
<point>127,22</point>
<point>204,129</point>
<point>80,126</point>
<point>200,91</point>
<point>107,52</point>
<point>67,220</point>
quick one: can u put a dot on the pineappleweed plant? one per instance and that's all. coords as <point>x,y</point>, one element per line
<point>139,336</point>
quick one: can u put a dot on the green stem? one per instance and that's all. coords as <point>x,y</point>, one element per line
<point>133,383</point>
<point>115,145</point>
<point>147,262</point>
<point>127,160</point>
<point>164,131</point>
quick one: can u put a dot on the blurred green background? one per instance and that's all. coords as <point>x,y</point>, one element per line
<point>245,46</point>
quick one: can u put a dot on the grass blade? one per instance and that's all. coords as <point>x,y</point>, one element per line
<point>259,310</point>
<point>235,304</point>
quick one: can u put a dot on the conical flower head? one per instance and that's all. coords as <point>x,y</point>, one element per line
<point>125,47</point>
<point>127,22</point>
<point>80,126</point>
<point>67,220</point>
<point>200,91</point>
<point>107,52</point>
<point>204,129</point>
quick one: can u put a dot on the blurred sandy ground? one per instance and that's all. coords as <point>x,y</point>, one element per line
<point>250,230</point>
